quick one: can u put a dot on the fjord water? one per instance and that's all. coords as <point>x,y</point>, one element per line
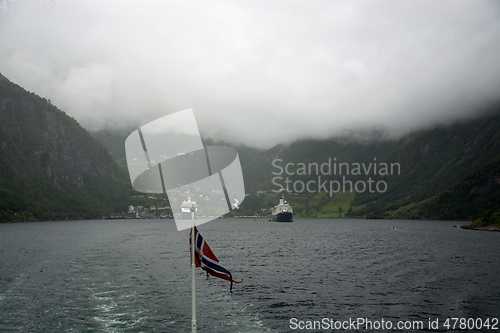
<point>134,275</point>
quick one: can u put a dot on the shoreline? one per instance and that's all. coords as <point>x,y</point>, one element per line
<point>480,228</point>
<point>467,226</point>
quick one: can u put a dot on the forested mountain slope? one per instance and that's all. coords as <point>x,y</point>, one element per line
<point>50,167</point>
<point>432,162</point>
<point>433,171</point>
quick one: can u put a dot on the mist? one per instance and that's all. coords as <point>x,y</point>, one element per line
<point>259,72</point>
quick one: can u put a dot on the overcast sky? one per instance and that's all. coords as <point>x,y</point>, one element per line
<point>258,72</point>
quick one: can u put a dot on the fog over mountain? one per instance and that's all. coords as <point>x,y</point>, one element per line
<point>259,72</point>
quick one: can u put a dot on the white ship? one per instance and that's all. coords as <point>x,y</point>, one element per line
<point>186,209</point>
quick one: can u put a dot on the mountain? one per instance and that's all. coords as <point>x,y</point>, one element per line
<point>470,197</point>
<point>114,141</point>
<point>445,172</point>
<point>50,167</point>
<point>441,170</point>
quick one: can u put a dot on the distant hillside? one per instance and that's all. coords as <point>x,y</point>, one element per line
<point>437,167</point>
<point>114,140</point>
<point>476,193</point>
<point>435,164</point>
<point>50,167</point>
<point>446,172</point>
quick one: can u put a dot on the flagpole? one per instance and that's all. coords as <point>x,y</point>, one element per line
<point>193,275</point>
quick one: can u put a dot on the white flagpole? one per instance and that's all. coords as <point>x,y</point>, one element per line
<point>193,275</point>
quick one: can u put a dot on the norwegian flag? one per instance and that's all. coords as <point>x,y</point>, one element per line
<point>207,260</point>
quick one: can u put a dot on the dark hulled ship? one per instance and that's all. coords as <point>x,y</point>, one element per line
<point>282,212</point>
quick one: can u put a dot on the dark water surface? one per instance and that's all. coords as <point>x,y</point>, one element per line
<point>134,275</point>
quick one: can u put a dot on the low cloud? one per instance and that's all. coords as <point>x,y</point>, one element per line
<point>260,72</point>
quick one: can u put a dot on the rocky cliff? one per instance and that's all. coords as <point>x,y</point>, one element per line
<point>47,140</point>
<point>41,144</point>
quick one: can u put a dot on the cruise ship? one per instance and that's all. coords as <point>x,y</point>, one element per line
<point>282,212</point>
<point>186,209</point>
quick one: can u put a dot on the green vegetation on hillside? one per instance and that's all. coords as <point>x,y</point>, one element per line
<point>50,167</point>
<point>37,198</point>
<point>486,220</point>
<point>304,205</point>
<point>437,170</point>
